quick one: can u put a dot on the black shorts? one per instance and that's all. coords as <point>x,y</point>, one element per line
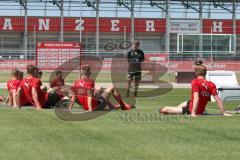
<point>102,103</point>
<point>185,110</point>
<point>53,99</point>
<point>135,75</point>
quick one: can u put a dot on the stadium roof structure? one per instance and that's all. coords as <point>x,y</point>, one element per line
<point>122,8</point>
<point>168,9</point>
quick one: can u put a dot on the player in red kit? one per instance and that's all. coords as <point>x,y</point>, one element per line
<point>32,92</point>
<point>21,97</point>
<point>58,85</point>
<point>86,95</point>
<point>202,90</point>
<point>31,88</point>
<point>12,86</point>
<point>58,81</point>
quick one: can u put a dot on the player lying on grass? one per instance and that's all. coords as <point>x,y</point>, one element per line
<point>12,86</point>
<point>94,100</point>
<point>30,91</point>
<point>201,94</point>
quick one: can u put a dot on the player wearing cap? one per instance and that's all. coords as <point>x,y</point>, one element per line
<point>84,94</point>
<point>202,90</point>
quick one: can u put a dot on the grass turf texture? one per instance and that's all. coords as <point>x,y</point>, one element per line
<point>102,77</point>
<point>37,135</point>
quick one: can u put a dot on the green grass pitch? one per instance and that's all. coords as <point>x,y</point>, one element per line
<point>30,134</point>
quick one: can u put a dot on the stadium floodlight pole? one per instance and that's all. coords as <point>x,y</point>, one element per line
<point>199,10</point>
<point>62,22</point>
<point>91,3</point>
<point>25,34</point>
<point>60,5</point>
<point>201,29</point>
<point>234,23</point>
<point>132,21</point>
<point>209,11</point>
<point>131,9</point>
<point>80,31</point>
<point>45,9</point>
<point>97,27</point>
<point>167,37</point>
<point>69,8</point>
<point>23,3</point>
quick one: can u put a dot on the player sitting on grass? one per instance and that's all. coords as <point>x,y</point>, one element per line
<point>58,84</point>
<point>21,75</point>
<point>201,94</point>
<point>58,81</point>
<point>32,92</point>
<point>85,95</point>
<point>39,75</point>
<point>12,86</point>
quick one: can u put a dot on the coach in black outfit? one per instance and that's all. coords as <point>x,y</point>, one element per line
<point>135,56</point>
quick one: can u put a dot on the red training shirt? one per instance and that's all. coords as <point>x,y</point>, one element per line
<point>205,89</point>
<point>27,84</point>
<point>81,88</point>
<point>12,85</point>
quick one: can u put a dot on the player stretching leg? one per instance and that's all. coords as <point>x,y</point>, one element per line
<point>84,94</point>
<point>201,94</point>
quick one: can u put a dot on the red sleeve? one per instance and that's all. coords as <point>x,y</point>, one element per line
<point>21,84</point>
<point>16,84</point>
<point>36,83</point>
<point>53,84</point>
<point>8,84</point>
<point>195,87</point>
<point>90,85</point>
<point>213,89</point>
<point>74,86</point>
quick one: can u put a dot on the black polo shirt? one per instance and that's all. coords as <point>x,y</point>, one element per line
<point>135,57</point>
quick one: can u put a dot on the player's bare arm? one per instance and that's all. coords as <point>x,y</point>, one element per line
<point>195,104</point>
<point>35,99</point>
<point>19,92</point>
<point>220,105</point>
<point>14,94</point>
<point>71,103</point>
<point>90,96</point>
